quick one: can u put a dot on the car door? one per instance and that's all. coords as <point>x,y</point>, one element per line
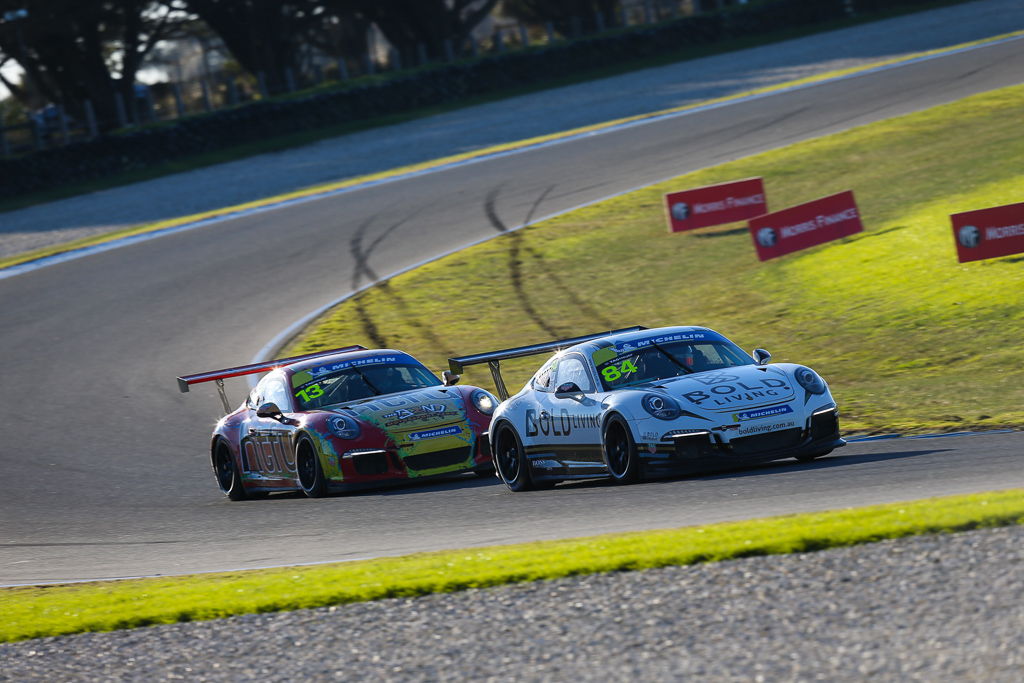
<point>268,444</point>
<point>575,416</point>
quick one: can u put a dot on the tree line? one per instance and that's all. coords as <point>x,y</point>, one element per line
<point>73,51</point>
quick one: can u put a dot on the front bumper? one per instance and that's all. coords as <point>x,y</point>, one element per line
<point>697,451</point>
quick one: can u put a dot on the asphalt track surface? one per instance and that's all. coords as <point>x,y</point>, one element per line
<point>104,461</point>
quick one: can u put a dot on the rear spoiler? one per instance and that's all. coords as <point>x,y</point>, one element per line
<point>494,358</point>
<point>218,376</point>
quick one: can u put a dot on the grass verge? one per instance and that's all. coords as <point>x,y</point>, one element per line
<point>909,339</point>
<point>57,610</point>
<point>301,138</point>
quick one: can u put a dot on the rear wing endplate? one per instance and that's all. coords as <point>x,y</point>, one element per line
<point>494,358</point>
<point>218,376</point>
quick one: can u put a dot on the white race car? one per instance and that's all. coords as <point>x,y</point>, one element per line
<point>648,402</point>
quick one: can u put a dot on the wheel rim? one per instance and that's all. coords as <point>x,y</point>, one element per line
<point>508,457</point>
<point>225,470</point>
<point>618,452</point>
<point>307,469</point>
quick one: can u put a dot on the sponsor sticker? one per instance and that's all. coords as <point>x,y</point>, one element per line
<point>764,428</point>
<point>806,225</point>
<point>701,207</point>
<point>435,433</point>
<point>761,413</point>
<point>357,362</point>
<point>989,233</point>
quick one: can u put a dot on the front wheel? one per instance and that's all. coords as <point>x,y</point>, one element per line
<point>510,461</point>
<point>228,478</point>
<point>620,454</point>
<point>311,474</point>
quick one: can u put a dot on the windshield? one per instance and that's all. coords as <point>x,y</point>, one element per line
<point>355,382</point>
<point>671,359</point>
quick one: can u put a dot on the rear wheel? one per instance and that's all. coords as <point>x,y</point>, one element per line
<point>510,460</point>
<point>620,453</point>
<point>311,474</point>
<point>228,477</point>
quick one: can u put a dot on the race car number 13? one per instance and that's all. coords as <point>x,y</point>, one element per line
<point>612,372</point>
<point>310,393</point>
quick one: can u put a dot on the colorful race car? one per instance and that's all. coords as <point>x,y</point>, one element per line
<point>639,402</point>
<point>345,419</point>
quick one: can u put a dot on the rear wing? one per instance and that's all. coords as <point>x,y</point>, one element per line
<point>218,376</point>
<point>494,358</point>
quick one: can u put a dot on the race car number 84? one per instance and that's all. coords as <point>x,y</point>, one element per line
<point>613,372</point>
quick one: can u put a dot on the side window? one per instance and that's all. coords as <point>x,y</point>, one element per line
<point>573,369</point>
<point>542,380</point>
<point>275,392</point>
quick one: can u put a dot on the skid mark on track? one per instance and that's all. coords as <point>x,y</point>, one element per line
<point>364,271</point>
<point>519,251</point>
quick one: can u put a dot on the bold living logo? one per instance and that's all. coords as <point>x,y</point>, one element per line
<point>701,207</point>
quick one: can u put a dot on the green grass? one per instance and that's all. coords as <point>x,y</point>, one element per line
<point>309,136</point>
<point>75,608</point>
<point>908,338</point>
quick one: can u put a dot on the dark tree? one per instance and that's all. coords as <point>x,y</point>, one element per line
<point>78,50</point>
<point>265,36</point>
<point>407,24</point>
<point>562,13</point>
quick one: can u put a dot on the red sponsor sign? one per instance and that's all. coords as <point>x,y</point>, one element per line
<point>715,204</point>
<point>806,225</point>
<point>988,233</point>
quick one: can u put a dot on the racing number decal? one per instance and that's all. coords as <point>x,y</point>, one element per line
<point>309,393</point>
<point>613,372</point>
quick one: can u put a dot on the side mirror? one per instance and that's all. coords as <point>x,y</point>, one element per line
<point>761,357</point>
<point>450,378</point>
<point>269,410</point>
<point>568,390</point>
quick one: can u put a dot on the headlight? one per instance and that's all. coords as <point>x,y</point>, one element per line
<point>343,426</point>
<point>810,380</point>
<point>661,407</point>
<point>484,402</point>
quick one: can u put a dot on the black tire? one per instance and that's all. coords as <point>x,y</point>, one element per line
<point>619,450</point>
<point>311,474</point>
<point>229,479</point>
<point>812,456</point>
<point>510,460</point>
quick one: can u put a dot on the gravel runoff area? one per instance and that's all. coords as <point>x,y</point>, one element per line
<point>923,608</point>
<point>508,120</point>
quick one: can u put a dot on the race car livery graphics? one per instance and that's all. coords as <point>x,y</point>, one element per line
<point>637,402</point>
<point>345,419</point>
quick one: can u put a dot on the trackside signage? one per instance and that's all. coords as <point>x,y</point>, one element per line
<point>715,204</point>
<point>806,225</point>
<point>989,233</point>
